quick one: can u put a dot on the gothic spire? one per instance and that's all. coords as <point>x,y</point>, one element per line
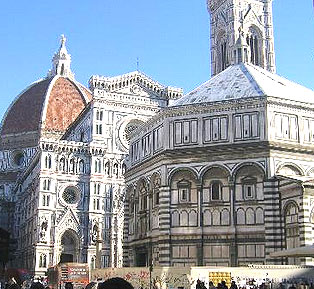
<point>61,61</point>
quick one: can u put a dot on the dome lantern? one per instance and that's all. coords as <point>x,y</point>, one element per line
<point>61,62</point>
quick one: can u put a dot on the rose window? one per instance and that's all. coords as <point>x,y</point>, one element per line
<point>70,195</point>
<point>131,127</point>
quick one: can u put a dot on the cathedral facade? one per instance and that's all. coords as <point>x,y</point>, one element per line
<point>62,164</point>
<point>230,181</point>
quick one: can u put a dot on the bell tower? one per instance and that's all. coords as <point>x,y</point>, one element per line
<point>250,20</point>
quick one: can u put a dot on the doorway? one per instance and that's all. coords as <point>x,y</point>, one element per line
<point>66,258</point>
<point>69,248</point>
<point>141,259</point>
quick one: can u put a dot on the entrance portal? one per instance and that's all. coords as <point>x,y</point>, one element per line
<point>115,283</point>
<point>69,248</point>
<point>141,259</point>
<point>66,258</point>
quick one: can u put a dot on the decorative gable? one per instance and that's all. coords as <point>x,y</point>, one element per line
<point>68,221</point>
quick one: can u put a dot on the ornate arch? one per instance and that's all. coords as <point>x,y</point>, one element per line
<point>182,169</point>
<point>291,166</point>
<point>238,167</point>
<point>64,236</point>
<point>255,42</point>
<point>221,50</point>
<point>288,204</point>
<point>207,168</point>
<point>142,181</point>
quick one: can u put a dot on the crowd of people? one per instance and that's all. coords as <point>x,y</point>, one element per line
<point>260,284</point>
<point>234,284</point>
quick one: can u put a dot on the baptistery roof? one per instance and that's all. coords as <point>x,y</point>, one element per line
<point>245,80</point>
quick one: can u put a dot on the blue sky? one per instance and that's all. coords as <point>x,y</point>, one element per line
<point>105,37</point>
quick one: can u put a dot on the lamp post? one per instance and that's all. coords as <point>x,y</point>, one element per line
<point>150,274</point>
<point>98,249</point>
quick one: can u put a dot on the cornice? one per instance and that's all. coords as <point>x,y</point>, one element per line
<point>68,147</point>
<point>193,110</point>
<point>113,84</point>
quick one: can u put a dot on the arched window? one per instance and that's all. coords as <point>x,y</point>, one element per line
<point>240,216</point>
<point>184,219</point>
<point>97,188</point>
<point>116,170</point>
<point>216,190</point>
<point>72,165</point>
<point>222,53</point>
<point>143,190</point>
<point>216,218</point>
<point>43,261</point>
<point>81,166</point>
<point>207,218</point>
<point>97,166</point>
<point>184,190</point>
<point>48,162</point>
<point>156,181</point>
<point>225,217</point>
<point>250,216</point>
<point>62,166</point>
<point>82,136</point>
<point>62,69</point>
<point>107,168</point>
<point>193,218</point>
<point>46,185</point>
<point>46,200</point>
<point>259,216</point>
<point>123,169</point>
<point>254,42</point>
<point>292,230</point>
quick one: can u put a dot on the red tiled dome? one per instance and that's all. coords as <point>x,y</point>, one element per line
<point>50,104</point>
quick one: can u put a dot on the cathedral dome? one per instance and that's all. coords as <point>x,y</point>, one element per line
<point>48,106</point>
<point>51,104</point>
<point>245,80</point>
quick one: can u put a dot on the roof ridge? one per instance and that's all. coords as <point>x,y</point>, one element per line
<point>250,77</point>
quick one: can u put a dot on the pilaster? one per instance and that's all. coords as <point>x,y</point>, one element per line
<point>126,257</point>
<point>273,222</point>
<point>305,226</point>
<point>164,239</point>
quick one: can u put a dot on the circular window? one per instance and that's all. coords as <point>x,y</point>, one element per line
<point>70,195</point>
<point>18,158</point>
<point>131,127</point>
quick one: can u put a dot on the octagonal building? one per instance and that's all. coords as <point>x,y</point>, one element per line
<point>224,176</point>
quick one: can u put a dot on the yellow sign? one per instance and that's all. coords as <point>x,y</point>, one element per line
<point>217,277</point>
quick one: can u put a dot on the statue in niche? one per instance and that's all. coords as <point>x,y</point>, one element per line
<point>43,230</point>
<point>95,234</point>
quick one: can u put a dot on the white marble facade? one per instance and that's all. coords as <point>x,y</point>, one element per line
<point>67,189</point>
<point>223,176</point>
<point>221,182</point>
